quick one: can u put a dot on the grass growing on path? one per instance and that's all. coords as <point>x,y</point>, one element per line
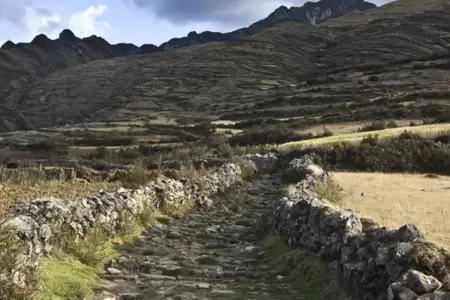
<point>64,277</point>
<point>310,276</point>
<point>84,259</point>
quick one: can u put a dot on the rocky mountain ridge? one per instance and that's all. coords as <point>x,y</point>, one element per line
<point>311,12</point>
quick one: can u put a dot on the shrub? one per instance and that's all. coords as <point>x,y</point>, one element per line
<point>330,191</point>
<point>51,147</point>
<point>134,177</point>
<point>370,140</point>
<point>404,154</point>
<point>378,125</point>
<point>248,172</point>
<point>326,132</point>
<point>408,135</point>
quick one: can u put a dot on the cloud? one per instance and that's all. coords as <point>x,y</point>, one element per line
<point>13,11</point>
<point>20,21</point>
<point>86,23</point>
<point>38,21</point>
<point>226,12</point>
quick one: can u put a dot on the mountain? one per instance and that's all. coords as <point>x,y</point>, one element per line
<point>359,66</point>
<point>311,12</point>
<point>22,64</point>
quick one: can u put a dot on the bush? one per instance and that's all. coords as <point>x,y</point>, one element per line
<point>326,132</point>
<point>134,177</point>
<point>377,125</point>
<point>370,140</point>
<point>51,147</point>
<point>405,154</point>
<point>248,172</point>
<point>330,191</point>
<point>408,135</point>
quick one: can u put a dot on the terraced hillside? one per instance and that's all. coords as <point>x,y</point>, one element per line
<point>23,64</point>
<point>389,62</point>
<point>205,79</point>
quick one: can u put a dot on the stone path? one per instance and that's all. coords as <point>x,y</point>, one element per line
<point>205,255</point>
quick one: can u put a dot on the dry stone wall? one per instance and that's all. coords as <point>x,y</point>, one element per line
<point>38,223</point>
<point>372,261</point>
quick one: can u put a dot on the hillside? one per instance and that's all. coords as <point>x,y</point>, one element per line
<point>382,67</point>
<point>204,79</point>
<point>21,65</point>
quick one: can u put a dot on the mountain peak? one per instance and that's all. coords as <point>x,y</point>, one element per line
<point>8,45</point>
<point>41,40</point>
<point>67,36</point>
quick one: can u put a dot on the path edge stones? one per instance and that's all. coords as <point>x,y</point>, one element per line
<point>32,228</point>
<point>370,260</point>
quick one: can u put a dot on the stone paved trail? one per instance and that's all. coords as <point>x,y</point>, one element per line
<point>205,255</point>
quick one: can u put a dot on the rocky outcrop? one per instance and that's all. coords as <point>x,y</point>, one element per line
<point>374,262</point>
<point>313,13</point>
<point>41,222</point>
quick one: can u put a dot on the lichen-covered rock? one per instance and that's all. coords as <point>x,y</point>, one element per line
<point>421,283</point>
<point>372,260</point>
<point>409,233</point>
<point>264,163</point>
<point>37,222</point>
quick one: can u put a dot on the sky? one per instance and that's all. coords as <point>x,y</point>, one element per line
<point>133,21</point>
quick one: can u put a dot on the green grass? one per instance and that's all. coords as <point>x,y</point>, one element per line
<point>423,130</point>
<point>308,274</point>
<point>72,272</point>
<point>65,278</point>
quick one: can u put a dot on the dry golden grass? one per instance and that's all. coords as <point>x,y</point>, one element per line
<point>233,131</point>
<point>223,122</point>
<point>423,130</point>
<point>397,199</point>
<point>66,190</point>
<point>349,127</point>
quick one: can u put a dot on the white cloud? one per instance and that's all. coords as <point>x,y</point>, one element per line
<point>41,21</point>
<point>86,23</point>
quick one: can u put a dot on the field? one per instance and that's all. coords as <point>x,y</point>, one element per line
<point>13,193</point>
<point>394,200</point>
<point>423,130</point>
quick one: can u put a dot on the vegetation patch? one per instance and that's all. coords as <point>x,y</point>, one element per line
<point>406,153</point>
<point>331,191</point>
<point>428,131</point>
<point>64,277</point>
<point>310,277</point>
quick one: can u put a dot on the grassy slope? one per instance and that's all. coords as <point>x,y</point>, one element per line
<point>424,130</point>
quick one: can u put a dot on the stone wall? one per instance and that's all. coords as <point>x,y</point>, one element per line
<point>372,261</point>
<point>38,223</point>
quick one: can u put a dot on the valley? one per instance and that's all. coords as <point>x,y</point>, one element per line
<point>306,156</point>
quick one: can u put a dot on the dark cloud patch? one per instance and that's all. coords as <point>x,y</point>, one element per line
<point>222,11</point>
<point>13,11</point>
<point>43,12</point>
